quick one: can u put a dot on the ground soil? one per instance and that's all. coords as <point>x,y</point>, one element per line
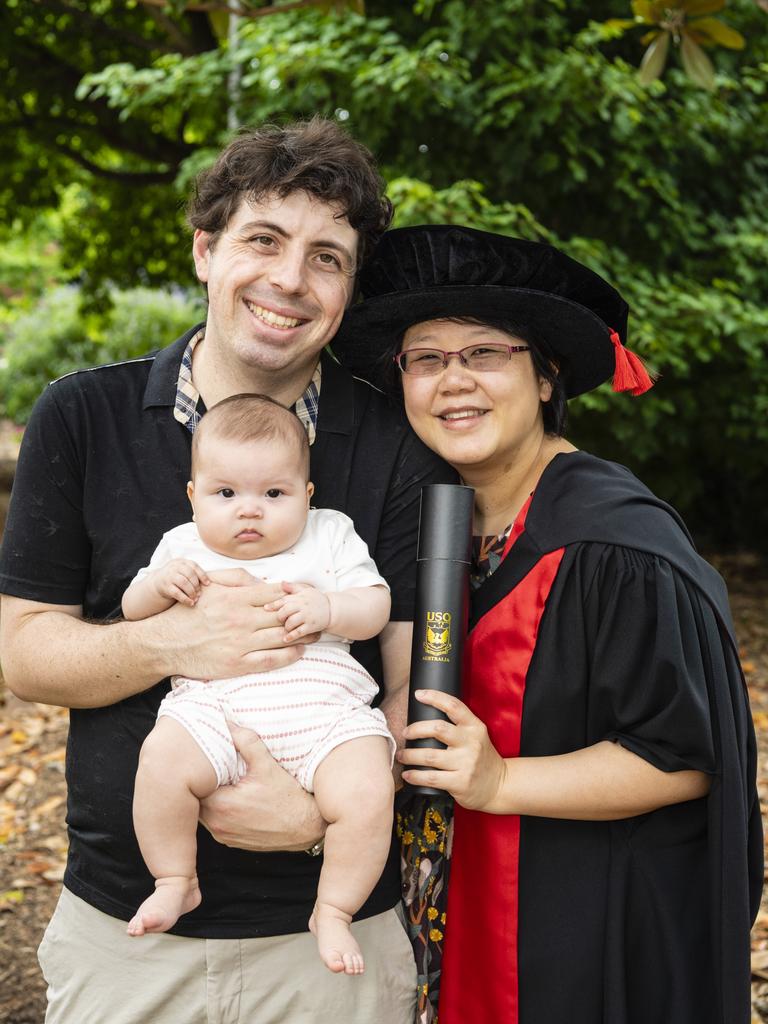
<point>32,805</point>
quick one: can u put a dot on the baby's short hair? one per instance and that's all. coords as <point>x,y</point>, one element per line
<point>252,417</point>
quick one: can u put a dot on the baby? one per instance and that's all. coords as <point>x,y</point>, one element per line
<point>250,496</point>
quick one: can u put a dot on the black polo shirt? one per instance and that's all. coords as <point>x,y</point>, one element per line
<point>101,476</point>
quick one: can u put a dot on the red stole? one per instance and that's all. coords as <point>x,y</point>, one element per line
<point>479,981</point>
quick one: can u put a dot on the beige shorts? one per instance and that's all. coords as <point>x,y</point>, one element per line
<point>97,974</point>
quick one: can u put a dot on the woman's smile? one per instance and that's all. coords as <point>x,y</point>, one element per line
<point>461,418</point>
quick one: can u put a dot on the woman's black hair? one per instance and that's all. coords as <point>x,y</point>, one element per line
<point>547,365</point>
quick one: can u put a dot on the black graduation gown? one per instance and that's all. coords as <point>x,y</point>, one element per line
<point>603,623</point>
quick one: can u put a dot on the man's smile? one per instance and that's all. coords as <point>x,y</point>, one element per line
<point>272,318</point>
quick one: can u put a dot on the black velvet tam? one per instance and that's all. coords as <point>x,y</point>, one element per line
<point>433,271</point>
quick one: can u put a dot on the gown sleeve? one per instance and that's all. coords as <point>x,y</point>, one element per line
<point>654,645</point>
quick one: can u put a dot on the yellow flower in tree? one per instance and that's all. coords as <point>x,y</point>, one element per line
<point>687,24</point>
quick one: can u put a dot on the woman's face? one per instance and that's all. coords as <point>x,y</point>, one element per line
<point>476,420</point>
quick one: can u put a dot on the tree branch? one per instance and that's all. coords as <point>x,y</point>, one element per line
<point>182,43</point>
<point>38,123</point>
<point>132,137</point>
<point>127,177</point>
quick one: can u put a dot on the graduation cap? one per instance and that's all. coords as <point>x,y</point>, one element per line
<point>440,270</point>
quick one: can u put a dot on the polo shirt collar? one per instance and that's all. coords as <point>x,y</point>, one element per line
<point>336,412</point>
<point>164,374</point>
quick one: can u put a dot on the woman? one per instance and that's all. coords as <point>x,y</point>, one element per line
<point>607,856</point>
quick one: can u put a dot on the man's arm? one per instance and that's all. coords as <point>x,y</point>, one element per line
<point>267,810</point>
<point>51,655</point>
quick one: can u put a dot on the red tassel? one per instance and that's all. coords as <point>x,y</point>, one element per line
<point>630,373</point>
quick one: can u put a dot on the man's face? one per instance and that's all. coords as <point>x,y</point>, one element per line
<point>279,278</point>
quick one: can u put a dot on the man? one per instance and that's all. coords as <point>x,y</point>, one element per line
<point>282,222</point>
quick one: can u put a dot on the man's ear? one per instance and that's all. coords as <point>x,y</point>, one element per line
<point>201,253</point>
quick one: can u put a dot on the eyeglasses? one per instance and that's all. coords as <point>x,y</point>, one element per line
<point>427,362</point>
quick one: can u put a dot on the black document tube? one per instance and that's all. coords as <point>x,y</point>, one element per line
<point>442,600</point>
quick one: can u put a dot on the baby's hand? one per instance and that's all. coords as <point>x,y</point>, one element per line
<point>180,580</point>
<point>302,611</point>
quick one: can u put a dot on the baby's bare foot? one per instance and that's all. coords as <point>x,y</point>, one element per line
<point>172,897</point>
<point>335,942</point>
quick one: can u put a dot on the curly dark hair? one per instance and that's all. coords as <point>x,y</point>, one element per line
<point>317,157</point>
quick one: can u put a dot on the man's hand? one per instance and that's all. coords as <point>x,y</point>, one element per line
<point>227,633</point>
<point>267,810</point>
<point>302,610</point>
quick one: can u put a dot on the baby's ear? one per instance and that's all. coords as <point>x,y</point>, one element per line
<point>310,491</point>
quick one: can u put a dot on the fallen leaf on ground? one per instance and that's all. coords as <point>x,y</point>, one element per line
<point>47,806</point>
<point>10,898</point>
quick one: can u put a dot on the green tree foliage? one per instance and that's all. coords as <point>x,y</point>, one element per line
<point>527,118</point>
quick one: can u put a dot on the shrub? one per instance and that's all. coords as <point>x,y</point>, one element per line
<point>56,337</point>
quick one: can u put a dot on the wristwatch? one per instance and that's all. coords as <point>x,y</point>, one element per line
<point>317,848</point>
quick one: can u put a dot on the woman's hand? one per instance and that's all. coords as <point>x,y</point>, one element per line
<point>470,768</point>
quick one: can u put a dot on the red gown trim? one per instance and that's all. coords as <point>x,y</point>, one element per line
<point>479,982</point>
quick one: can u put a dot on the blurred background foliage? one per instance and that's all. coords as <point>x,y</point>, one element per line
<point>537,118</point>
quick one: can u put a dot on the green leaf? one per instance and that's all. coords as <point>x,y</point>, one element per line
<point>654,59</point>
<point>697,64</point>
<point>619,23</point>
<point>719,32</point>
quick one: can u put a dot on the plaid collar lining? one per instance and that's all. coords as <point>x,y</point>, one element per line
<point>187,406</point>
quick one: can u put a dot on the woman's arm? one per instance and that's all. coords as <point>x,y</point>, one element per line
<point>598,783</point>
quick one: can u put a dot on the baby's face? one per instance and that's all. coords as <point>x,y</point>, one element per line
<point>250,499</point>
